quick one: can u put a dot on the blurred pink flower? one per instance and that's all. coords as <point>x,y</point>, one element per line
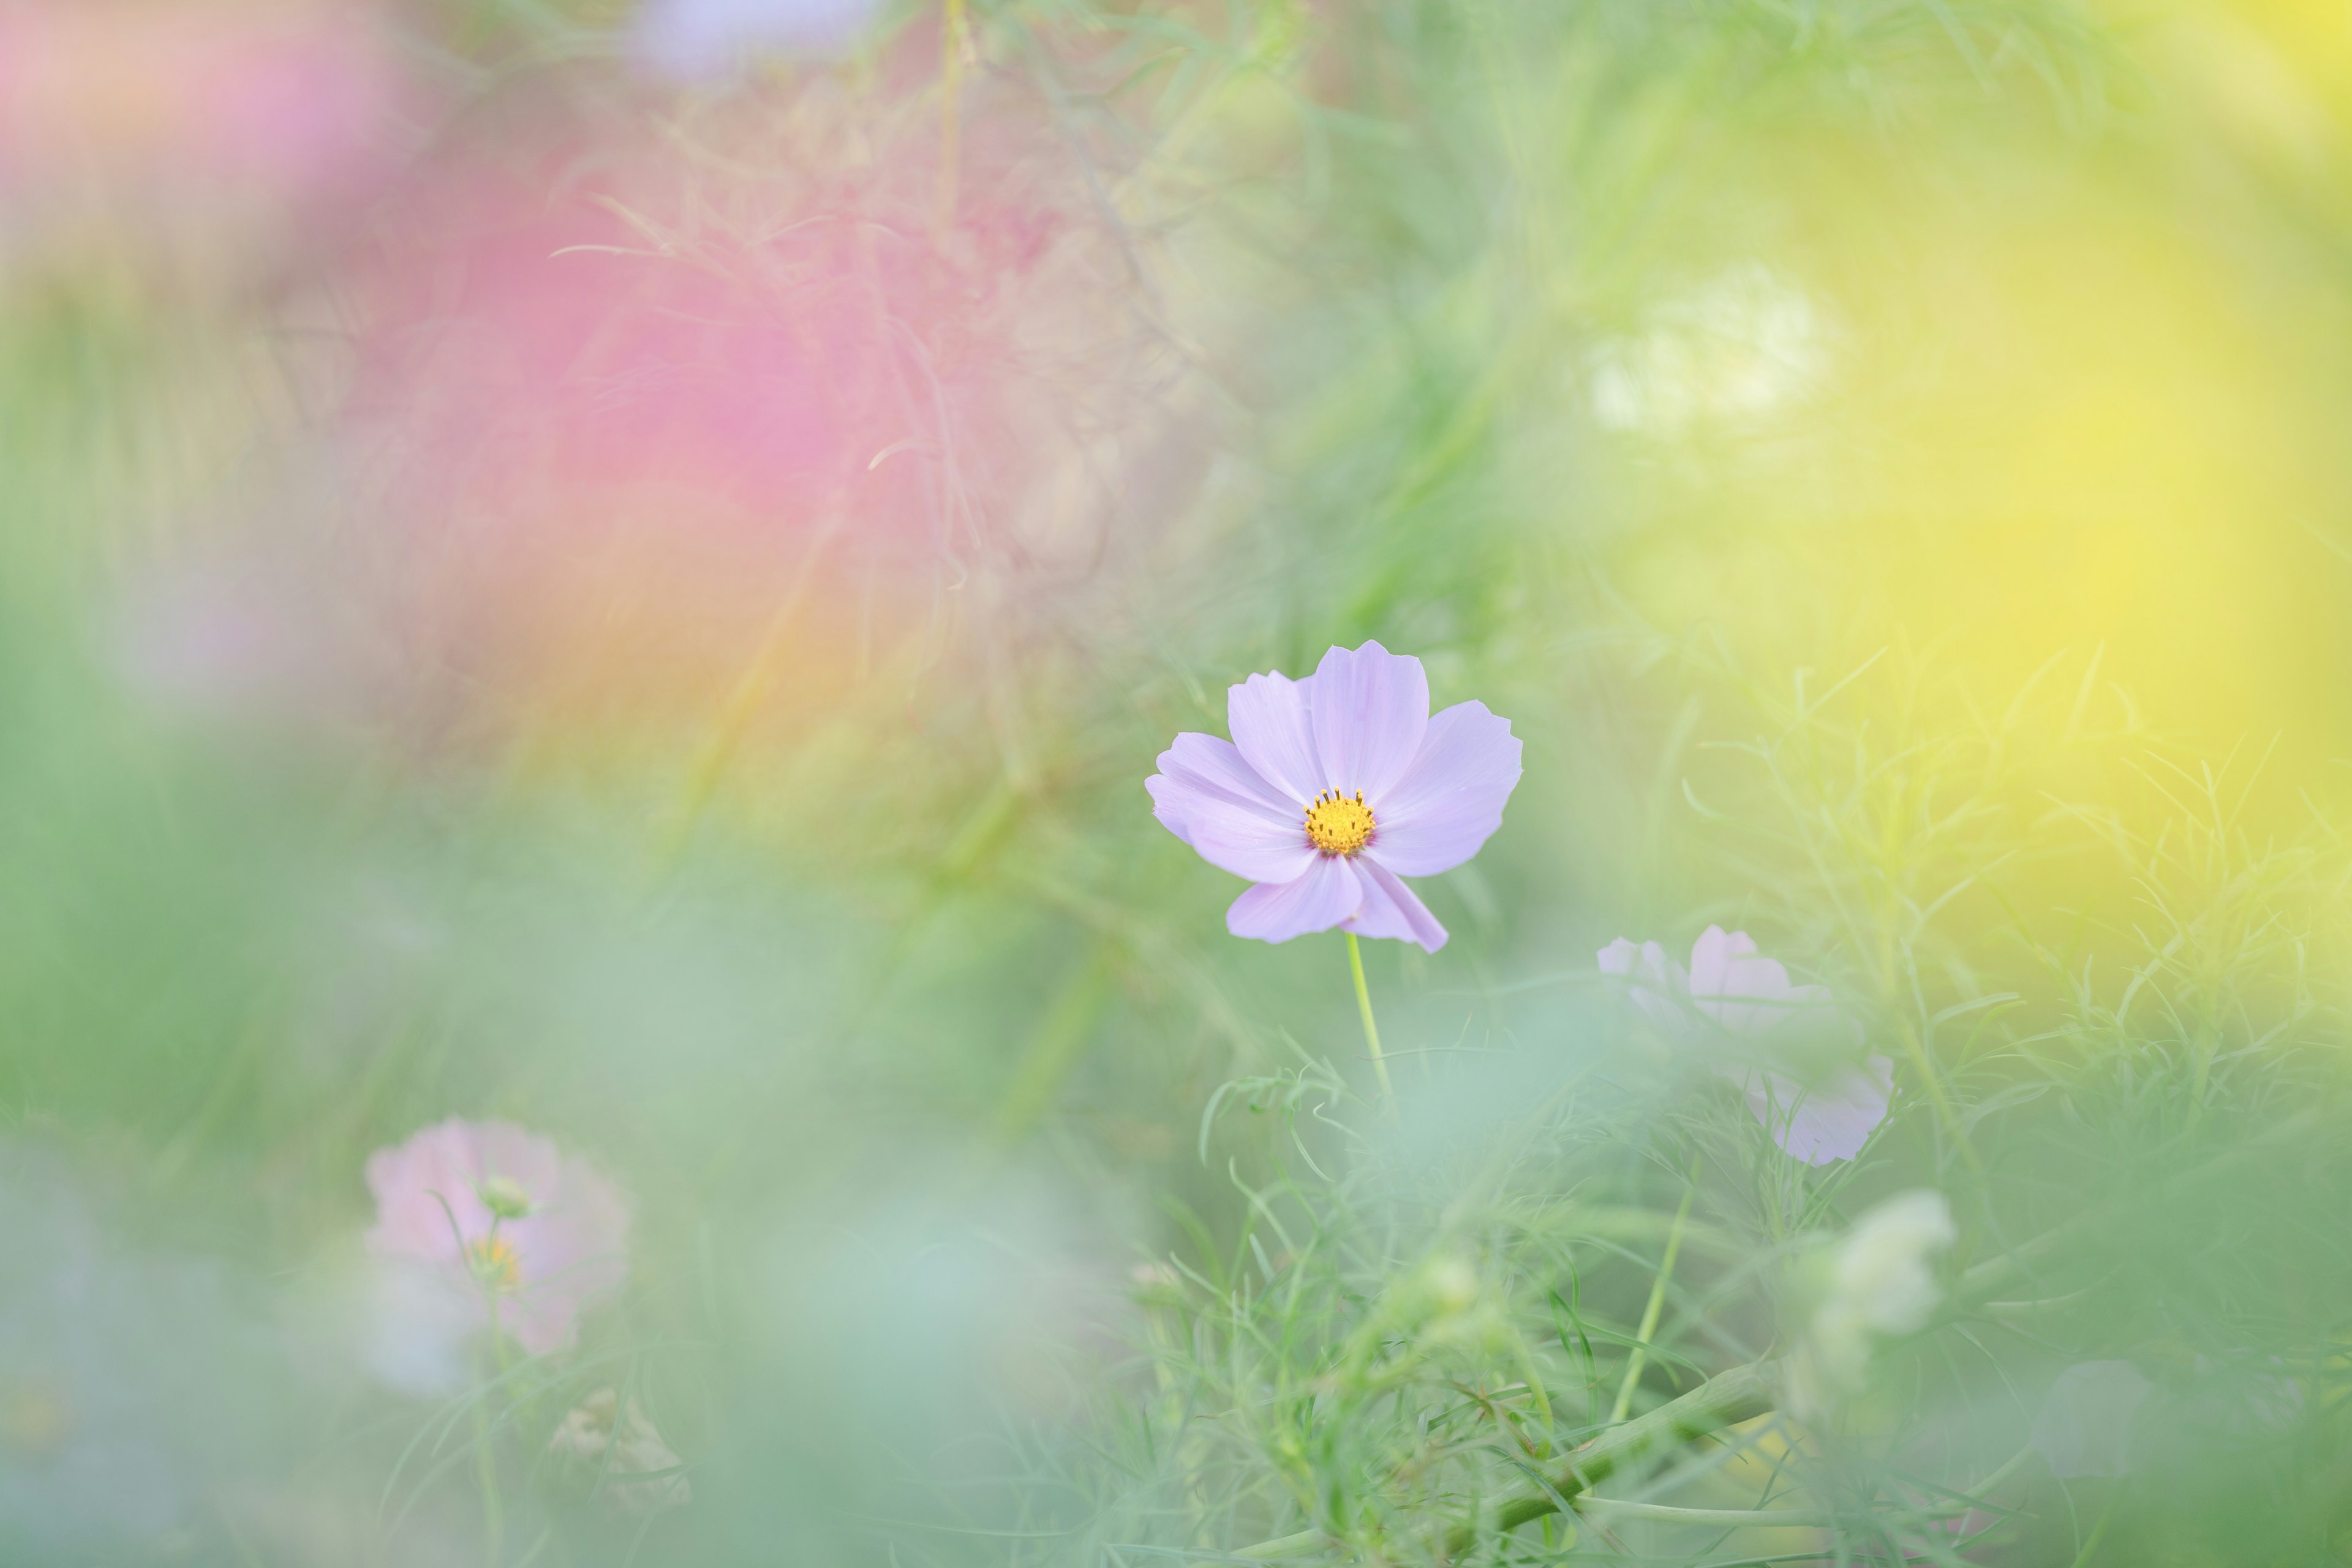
<point>187,105</point>
<point>1730,990</point>
<point>615,462</point>
<point>1334,786</point>
<point>534,1235</point>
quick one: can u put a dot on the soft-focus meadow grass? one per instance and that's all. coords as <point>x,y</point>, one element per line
<point>559,569</point>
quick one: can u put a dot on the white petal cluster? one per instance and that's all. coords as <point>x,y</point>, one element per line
<point>1876,1283</point>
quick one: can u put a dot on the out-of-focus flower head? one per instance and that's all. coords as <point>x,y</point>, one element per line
<point>2085,1426</point>
<point>1731,996</point>
<point>670,414</point>
<point>1742,346</point>
<point>627,1458</point>
<point>1332,788</point>
<point>1870,1283</point>
<point>500,1218</point>
<point>188,116</point>
<point>699,40</point>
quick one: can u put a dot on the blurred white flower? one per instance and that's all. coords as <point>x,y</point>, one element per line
<point>2085,1425</point>
<point>622,1445</point>
<point>1739,347</point>
<point>698,40</point>
<point>1873,1282</point>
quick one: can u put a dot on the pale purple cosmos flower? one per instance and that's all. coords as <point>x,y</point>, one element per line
<point>1334,788</point>
<point>701,41</point>
<point>533,1236</point>
<point>1731,991</point>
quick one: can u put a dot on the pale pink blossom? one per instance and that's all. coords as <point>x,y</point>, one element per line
<point>1731,995</point>
<point>1333,789</point>
<point>533,1236</point>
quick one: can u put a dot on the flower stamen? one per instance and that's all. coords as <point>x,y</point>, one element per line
<point>496,1264</point>
<point>1338,824</point>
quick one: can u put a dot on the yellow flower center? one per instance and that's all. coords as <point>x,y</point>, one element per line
<point>496,1263</point>
<point>1338,824</point>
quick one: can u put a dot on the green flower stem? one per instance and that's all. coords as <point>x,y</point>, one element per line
<point>486,1471</point>
<point>1725,1400</point>
<point>2098,1534</point>
<point>1657,1303</point>
<point>1720,1518</point>
<point>1371,1029</point>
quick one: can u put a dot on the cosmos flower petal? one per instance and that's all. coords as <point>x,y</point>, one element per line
<point>562,1244</point>
<point>1746,994</point>
<point>1241,836</point>
<point>1329,892</point>
<point>1208,796</point>
<point>1371,709</point>
<point>1742,992</point>
<point>1658,984</point>
<point>703,40</point>
<point>1273,730</point>
<point>1204,764</point>
<point>1711,957</point>
<point>1434,789</point>
<point>1392,909</point>
<point>1826,1124</point>
<point>1449,801</point>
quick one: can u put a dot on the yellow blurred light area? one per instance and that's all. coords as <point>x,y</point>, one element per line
<point>649,627</point>
<point>2097,417</point>
<point>2276,67</point>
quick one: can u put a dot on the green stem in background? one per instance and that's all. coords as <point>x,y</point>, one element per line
<point>1657,1303</point>
<point>1724,1400</point>
<point>1371,1029</point>
<point>486,1467</point>
<point>1915,1045</point>
<point>2098,1533</point>
<point>750,693</point>
<point>1053,1051</point>
<point>1915,1048</point>
<point>486,1459</point>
